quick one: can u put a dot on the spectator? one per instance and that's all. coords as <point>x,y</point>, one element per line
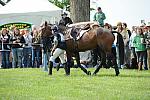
<point>140,49</point>
<point>36,49</point>
<point>120,51</point>
<point>11,30</point>
<point>99,17</point>
<point>5,53</point>
<point>65,20</point>
<point>125,36</point>
<point>27,49</point>
<point>17,48</point>
<point>133,63</point>
<point>107,26</point>
<point>34,28</point>
<point>119,27</point>
<point>147,36</point>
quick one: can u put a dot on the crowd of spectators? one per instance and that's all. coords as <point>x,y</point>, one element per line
<point>24,47</point>
<point>136,45</point>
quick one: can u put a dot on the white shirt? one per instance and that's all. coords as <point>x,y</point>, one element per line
<point>131,39</point>
<point>28,39</point>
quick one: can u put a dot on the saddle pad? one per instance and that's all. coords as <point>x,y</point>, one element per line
<point>81,34</point>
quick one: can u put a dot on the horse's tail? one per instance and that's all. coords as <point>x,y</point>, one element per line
<point>105,39</point>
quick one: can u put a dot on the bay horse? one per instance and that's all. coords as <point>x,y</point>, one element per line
<point>96,37</point>
<point>46,39</point>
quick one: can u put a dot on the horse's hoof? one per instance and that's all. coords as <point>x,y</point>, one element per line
<point>67,74</point>
<point>57,68</point>
<point>49,73</point>
<point>117,74</point>
<point>88,73</point>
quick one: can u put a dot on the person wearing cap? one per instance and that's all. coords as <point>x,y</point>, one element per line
<point>58,50</point>
<point>65,20</point>
<point>99,16</point>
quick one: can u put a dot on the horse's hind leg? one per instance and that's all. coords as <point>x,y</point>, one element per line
<point>115,61</point>
<point>103,55</point>
<point>78,64</point>
<point>116,68</point>
<point>97,69</point>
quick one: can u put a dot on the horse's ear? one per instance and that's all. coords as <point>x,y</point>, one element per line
<point>45,23</point>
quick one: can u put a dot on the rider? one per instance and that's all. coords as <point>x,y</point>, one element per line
<point>58,49</point>
<point>65,20</point>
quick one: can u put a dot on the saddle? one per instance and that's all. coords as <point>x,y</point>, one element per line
<point>77,32</point>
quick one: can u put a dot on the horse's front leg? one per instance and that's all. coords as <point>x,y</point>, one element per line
<point>79,65</point>
<point>69,63</point>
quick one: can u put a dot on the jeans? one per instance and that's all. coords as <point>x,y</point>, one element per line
<point>5,59</point>
<point>142,57</point>
<point>46,56</point>
<point>17,57</point>
<point>133,53</point>
<point>36,57</point>
<point>127,55</point>
<point>27,53</point>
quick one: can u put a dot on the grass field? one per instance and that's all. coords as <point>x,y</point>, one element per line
<point>34,84</point>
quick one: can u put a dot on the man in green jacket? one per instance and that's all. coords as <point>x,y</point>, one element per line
<point>99,17</point>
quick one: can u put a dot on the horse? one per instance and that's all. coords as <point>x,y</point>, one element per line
<point>46,39</point>
<point>95,37</point>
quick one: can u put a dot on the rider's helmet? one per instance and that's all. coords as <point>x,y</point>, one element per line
<point>54,28</point>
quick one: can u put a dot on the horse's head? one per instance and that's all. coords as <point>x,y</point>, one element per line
<point>46,30</point>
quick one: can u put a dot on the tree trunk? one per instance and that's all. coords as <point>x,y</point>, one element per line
<point>80,10</point>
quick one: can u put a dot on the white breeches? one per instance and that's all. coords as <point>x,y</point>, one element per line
<point>58,53</point>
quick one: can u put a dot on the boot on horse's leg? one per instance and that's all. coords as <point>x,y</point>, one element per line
<point>50,67</point>
<point>98,68</point>
<point>116,68</point>
<point>82,68</point>
<point>66,69</point>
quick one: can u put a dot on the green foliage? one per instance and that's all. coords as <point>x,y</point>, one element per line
<point>62,4</point>
<point>34,84</point>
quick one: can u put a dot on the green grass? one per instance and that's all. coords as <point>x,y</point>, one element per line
<point>34,84</point>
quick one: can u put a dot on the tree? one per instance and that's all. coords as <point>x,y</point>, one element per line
<point>61,4</point>
<point>80,10</point>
